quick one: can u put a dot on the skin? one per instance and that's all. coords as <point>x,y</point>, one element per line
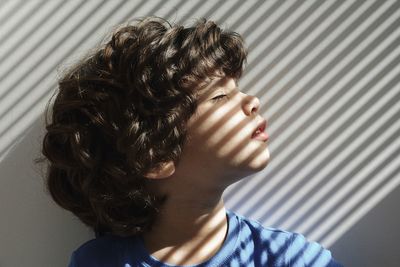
<point>192,225</point>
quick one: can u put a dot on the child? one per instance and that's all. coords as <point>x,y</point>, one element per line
<point>147,132</point>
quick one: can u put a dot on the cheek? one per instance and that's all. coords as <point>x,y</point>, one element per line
<point>219,129</point>
<point>223,139</point>
<point>232,131</point>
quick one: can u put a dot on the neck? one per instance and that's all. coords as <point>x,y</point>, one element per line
<point>187,232</point>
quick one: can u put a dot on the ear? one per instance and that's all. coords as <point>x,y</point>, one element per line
<point>164,170</point>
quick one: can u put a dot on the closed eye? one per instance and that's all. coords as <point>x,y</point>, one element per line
<point>218,98</point>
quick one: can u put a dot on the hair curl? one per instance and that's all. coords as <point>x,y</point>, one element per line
<point>122,110</point>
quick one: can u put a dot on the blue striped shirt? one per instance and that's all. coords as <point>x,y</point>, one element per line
<point>248,244</point>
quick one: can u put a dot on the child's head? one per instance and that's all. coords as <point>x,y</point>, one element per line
<point>123,110</point>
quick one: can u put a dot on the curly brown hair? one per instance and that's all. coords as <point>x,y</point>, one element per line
<point>122,110</point>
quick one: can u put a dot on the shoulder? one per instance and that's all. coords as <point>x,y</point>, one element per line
<point>264,234</point>
<point>283,246</point>
<point>101,251</point>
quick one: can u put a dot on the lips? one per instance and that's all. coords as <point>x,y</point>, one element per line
<point>259,133</point>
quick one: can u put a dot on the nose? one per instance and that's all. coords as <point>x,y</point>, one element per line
<point>251,105</point>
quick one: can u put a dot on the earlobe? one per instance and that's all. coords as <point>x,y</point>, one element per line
<point>164,170</point>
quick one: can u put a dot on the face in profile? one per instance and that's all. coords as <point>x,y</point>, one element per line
<point>227,135</point>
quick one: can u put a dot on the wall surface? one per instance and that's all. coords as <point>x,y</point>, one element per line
<point>326,72</point>
<point>34,231</point>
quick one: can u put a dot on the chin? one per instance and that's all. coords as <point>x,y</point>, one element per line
<point>259,165</point>
<point>259,162</point>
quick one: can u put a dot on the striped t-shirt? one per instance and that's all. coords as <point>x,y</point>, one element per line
<point>248,244</point>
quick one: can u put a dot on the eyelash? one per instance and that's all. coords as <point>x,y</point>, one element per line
<point>218,98</point>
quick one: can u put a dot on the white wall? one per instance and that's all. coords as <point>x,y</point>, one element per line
<point>327,74</point>
<point>33,230</point>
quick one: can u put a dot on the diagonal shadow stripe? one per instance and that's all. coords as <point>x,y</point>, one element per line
<point>332,185</point>
<point>22,21</point>
<point>30,51</point>
<point>339,214</point>
<point>313,35</point>
<point>195,8</point>
<point>170,13</point>
<point>349,140</point>
<point>33,30</point>
<point>317,114</point>
<point>236,6</point>
<point>291,28</point>
<point>332,82</point>
<point>338,58</point>
<point>311,101</point>
<point>46,74</point>
<point>304,79</point>
<point>4,4</point>
<point>321,55</point>
<point>12,10</point>
<point>292,46</point>
<point>371,203</point>
<point>233,192</point>
<point>377,187</point>
<point>346,161</point>
<point>268,12</point>
<point>51,51</point>
<point>208,13</point>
